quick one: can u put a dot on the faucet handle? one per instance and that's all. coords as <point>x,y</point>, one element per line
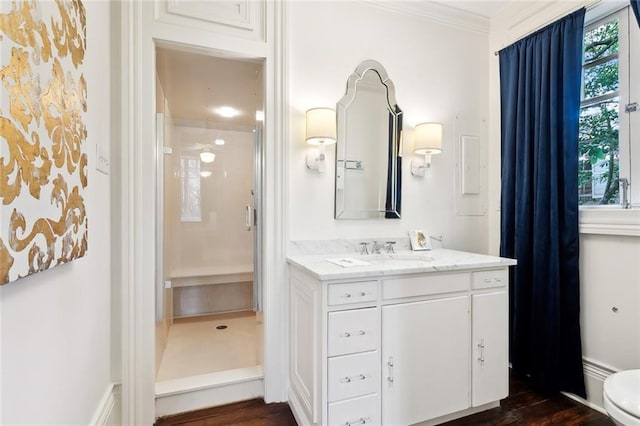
<point>389,246</point>
<point>364,249</point>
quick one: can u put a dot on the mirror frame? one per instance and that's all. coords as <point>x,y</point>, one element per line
<point>394,173</point>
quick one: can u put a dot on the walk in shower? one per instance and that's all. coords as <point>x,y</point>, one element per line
<point>209,130</point>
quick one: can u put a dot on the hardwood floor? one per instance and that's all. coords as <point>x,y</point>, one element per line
<point>522,407</point>
<point>247,413</point>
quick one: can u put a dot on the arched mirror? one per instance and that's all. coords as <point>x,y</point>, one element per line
<point>368,149</point>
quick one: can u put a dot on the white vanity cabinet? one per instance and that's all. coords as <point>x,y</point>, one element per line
<point>394,348</point>
<point>490,336</point>
<point>425,359</point>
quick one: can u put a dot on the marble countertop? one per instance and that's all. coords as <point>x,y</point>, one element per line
<point>322,266</point>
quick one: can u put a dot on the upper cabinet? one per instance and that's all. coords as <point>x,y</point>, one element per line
<point>368,162</point>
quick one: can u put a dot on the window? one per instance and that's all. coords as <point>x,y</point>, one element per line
<point>190,184</point>
<point>604,141</point>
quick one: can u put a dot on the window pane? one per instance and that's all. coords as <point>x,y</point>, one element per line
<point>599,153</point>
<point>601,79</point>
<point>190,181</point>
<point>601,41</point>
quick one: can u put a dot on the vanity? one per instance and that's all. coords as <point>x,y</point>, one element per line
<point>406,338</point>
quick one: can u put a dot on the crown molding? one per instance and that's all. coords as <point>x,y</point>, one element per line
<point>436,12</point>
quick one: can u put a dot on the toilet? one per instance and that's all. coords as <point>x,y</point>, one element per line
<point>622,397</point>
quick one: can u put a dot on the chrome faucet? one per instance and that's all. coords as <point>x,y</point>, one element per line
<point>376,248</point>
<point>364,249</point>
<point>389,246</point>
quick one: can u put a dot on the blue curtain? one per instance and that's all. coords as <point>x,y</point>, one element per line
<point>636,11</point>
<point>540,103</point>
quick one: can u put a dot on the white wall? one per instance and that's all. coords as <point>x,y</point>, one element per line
<point>56,325</point>
<point>609,268</point>
<point>610,274</point>
<point>438,71</point>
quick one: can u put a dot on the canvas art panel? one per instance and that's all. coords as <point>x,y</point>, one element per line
<point>43,159</point>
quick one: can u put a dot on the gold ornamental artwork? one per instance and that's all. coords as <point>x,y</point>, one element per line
<point>43,137</point>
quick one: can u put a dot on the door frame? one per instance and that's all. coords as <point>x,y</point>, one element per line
<point>134,206</point>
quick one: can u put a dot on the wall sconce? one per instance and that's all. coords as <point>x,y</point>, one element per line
<point>427,141</point>
<point>207,155</point>
<point>320,131</point>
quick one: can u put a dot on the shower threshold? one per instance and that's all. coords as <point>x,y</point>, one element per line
<point>208,390</point>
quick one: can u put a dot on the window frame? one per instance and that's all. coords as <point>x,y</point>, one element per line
<point>622,56</point>
<point>612,219</point>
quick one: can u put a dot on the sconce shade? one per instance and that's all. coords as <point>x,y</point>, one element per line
<point>207,156</point>
<point>428,138</point>
<point>321,126</point>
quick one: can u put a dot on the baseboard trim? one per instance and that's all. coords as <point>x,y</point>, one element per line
<point>595,373</point>
<point>296,408</point>
<point>107,412</point>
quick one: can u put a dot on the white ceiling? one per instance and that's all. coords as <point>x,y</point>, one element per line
<point>195,85</point>
<point>478,7</point>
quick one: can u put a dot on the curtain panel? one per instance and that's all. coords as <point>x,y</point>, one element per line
<point>540,78</point>
<point>635,6</point>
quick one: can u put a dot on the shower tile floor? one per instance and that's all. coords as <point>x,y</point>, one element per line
<point>195,346</point>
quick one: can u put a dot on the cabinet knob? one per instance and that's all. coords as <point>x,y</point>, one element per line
<point>347,295</point>
<point>346,334</point>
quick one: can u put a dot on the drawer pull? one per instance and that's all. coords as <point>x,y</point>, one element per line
<point>359,332</point>
<point>487,280</point>
<point>498,280</point>
<point>360,421</point>
<point>349,295</point>
<point>349,379</point>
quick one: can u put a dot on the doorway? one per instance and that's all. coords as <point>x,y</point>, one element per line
<point>209,324</point>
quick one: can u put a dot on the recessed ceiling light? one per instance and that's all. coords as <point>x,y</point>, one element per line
<point>219,142</point>
<point>227,112</point>
<point>259,115</point>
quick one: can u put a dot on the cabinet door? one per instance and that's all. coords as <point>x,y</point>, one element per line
<point>425,363</point>
<point>490,380</point>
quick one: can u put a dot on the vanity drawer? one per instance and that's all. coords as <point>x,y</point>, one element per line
<point>355,330</point>
<point>353,375</point>
<point>489,279</point>
<point>423,285</point>
<point>341,294</point>
<point>357,411</point>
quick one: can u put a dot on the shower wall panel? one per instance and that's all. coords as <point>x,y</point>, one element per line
<point>213,239</point>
